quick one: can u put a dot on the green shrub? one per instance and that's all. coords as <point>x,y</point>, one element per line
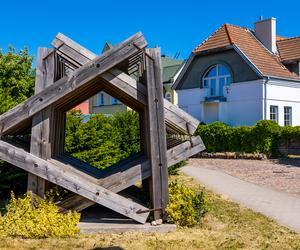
<point>261,138</point>
<point>186,206</point>
<point>216,136</point>
<point>38,219</point>
<point>265,135</point>
<point>174,169</point>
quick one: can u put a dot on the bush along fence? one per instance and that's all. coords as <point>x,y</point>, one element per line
<point>266,137</point>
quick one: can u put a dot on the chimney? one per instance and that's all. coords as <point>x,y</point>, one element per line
<point>265,31</point>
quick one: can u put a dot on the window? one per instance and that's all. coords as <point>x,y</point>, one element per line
<point>287,116</point>
<point>274,113</point>
<point>168,96</point>
<point>100,99</point>
<point>114,101</point>
<point>216,78</point>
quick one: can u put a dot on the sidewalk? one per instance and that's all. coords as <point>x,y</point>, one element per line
<point>282,207</point>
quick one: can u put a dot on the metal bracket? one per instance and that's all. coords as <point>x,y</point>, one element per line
<point>148,210</point>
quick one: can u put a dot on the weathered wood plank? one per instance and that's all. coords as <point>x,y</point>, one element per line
<point>175,117</point>
<point>71,181</point>
<point>156,133</point>
<point>185,150</point>
<point>70,85</point>
<point>137,172</point>
<point>123,177</point>
<point>40,133</point>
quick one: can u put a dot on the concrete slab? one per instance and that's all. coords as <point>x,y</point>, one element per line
<point>282,207</point>
<point>98,219</point>
<point>90,227</point>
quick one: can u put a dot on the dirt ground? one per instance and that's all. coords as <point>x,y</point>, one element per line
<point>281,174</point>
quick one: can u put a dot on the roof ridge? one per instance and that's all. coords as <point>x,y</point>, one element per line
<point>228,34</point>
<point>205,40</point>
<point>236,26</point>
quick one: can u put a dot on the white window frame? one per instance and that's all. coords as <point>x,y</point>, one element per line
<point>217,79</point>
<point>288,121</point>
<point>100,99</point>
<point>168,96</point>
<point>274,113</point>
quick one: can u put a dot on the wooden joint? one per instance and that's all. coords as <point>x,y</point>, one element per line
<point>189,134</point>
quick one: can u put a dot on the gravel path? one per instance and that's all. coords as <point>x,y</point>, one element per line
<point>281,175</point>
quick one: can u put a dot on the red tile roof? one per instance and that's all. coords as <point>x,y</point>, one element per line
<point>265,61</point>
<point>289,48</point>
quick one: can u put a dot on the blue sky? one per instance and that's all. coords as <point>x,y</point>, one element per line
<point>175,26</point>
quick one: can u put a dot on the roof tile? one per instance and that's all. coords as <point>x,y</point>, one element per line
<point>289,48</point>
<point>266,62</point>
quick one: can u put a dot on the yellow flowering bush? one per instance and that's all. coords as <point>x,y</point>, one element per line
<point>186,205</point>
<point>38,219</point>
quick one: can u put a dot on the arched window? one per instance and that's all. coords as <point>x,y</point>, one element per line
<point>216,78</point>
<point>168,96</point>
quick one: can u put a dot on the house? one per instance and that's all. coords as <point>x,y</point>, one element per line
<point>239,76</point>
<point>84,107</point>
<point>103,103</point>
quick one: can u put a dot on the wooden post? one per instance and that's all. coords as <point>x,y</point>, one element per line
<point>156,133</point>
<point>41,122</point>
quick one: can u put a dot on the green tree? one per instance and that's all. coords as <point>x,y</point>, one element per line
<point>16,85</point>
<point>16,78</point>
<point>102,140</point>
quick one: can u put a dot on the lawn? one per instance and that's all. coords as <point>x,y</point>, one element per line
<point>226,226</point>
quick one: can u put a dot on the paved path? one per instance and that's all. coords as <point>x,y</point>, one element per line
<point>282,207</point>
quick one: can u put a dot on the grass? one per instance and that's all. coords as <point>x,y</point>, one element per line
<point>226,226</point>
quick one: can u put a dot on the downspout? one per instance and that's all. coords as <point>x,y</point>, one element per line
<point>265,97</point>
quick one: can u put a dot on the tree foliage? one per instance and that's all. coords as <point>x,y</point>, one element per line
<point>102,140</point>
<point>16,78</point>
<point>16,85</point>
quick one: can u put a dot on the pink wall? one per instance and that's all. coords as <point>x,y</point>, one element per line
<point>83,107</point>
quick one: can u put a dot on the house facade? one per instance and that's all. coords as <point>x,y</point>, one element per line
<point>103,103</point>
<point>239,76</point>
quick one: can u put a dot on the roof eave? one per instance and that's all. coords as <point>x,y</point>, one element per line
<point>181,74</point>
<point>282,78</point>
<point>294,60</point>
<point>214,50</point>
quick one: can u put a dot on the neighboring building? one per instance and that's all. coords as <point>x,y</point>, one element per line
<point>170,68</point>
<point>239,76</point>
<point>84,107</point>
<point>102,103</point>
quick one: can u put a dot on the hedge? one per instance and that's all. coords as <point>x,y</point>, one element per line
<point>264,137</point>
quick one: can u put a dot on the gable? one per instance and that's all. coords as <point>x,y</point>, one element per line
<point>241,71</point>
<point>244,39</point>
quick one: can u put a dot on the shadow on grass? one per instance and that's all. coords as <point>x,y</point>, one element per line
<point>290,162</point>
<point>107,248</point>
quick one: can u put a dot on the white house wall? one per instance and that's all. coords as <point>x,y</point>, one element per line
<point>243,105</point>
<point>281,94</point>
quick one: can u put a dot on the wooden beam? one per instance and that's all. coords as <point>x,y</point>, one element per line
<point>64,88</point>
<point>185,150</point>
<point>156,133</point>
<point>40,134</point>
<point>175,117</point>
<point>114,180</point>
<point>71,181</point>
<point>141,171</point>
